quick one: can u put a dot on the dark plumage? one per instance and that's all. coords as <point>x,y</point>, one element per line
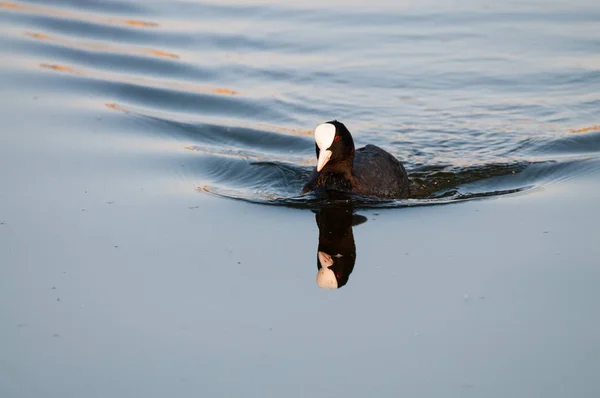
<point>336,254</point>
<point>368,171</point>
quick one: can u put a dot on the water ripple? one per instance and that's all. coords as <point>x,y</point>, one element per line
<point>238,87</point>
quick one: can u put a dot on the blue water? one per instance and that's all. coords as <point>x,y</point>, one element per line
<point>133,134</point>
<point>475,100</point>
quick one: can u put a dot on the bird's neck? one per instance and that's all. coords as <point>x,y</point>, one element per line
<point>343,168</point>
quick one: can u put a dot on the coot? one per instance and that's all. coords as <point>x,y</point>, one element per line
<point>368,171</point>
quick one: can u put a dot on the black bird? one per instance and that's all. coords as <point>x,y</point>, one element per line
<point>368,171</point>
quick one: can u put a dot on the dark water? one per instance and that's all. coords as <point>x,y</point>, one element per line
<point>475,100</point>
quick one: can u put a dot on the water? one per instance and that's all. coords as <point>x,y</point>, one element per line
<point>135,132</point>
<point>460,94</point>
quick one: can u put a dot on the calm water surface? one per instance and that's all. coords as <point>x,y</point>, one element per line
<point>126,269</point>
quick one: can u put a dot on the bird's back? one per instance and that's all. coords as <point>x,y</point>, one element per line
<point>378,173</point>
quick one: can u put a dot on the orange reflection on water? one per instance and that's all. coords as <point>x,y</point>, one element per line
<point>116,107</point>
<point>224,91</point>
<point>144,24</point>
<point>60,68</point>
<point>160,53</point>
<point>10,5</point>
<point>595,127</point>
<point>39,36</point>
<point>81,16</point>
<point>93,46</point>
<point>144,82</point>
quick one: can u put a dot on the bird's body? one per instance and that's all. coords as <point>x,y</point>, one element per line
<point>368,171</point>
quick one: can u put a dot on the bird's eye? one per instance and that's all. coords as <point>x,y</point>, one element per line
<point>336,138</point>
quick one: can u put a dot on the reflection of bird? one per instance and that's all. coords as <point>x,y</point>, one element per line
<point>337,252</point>
<point>368,171</point>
